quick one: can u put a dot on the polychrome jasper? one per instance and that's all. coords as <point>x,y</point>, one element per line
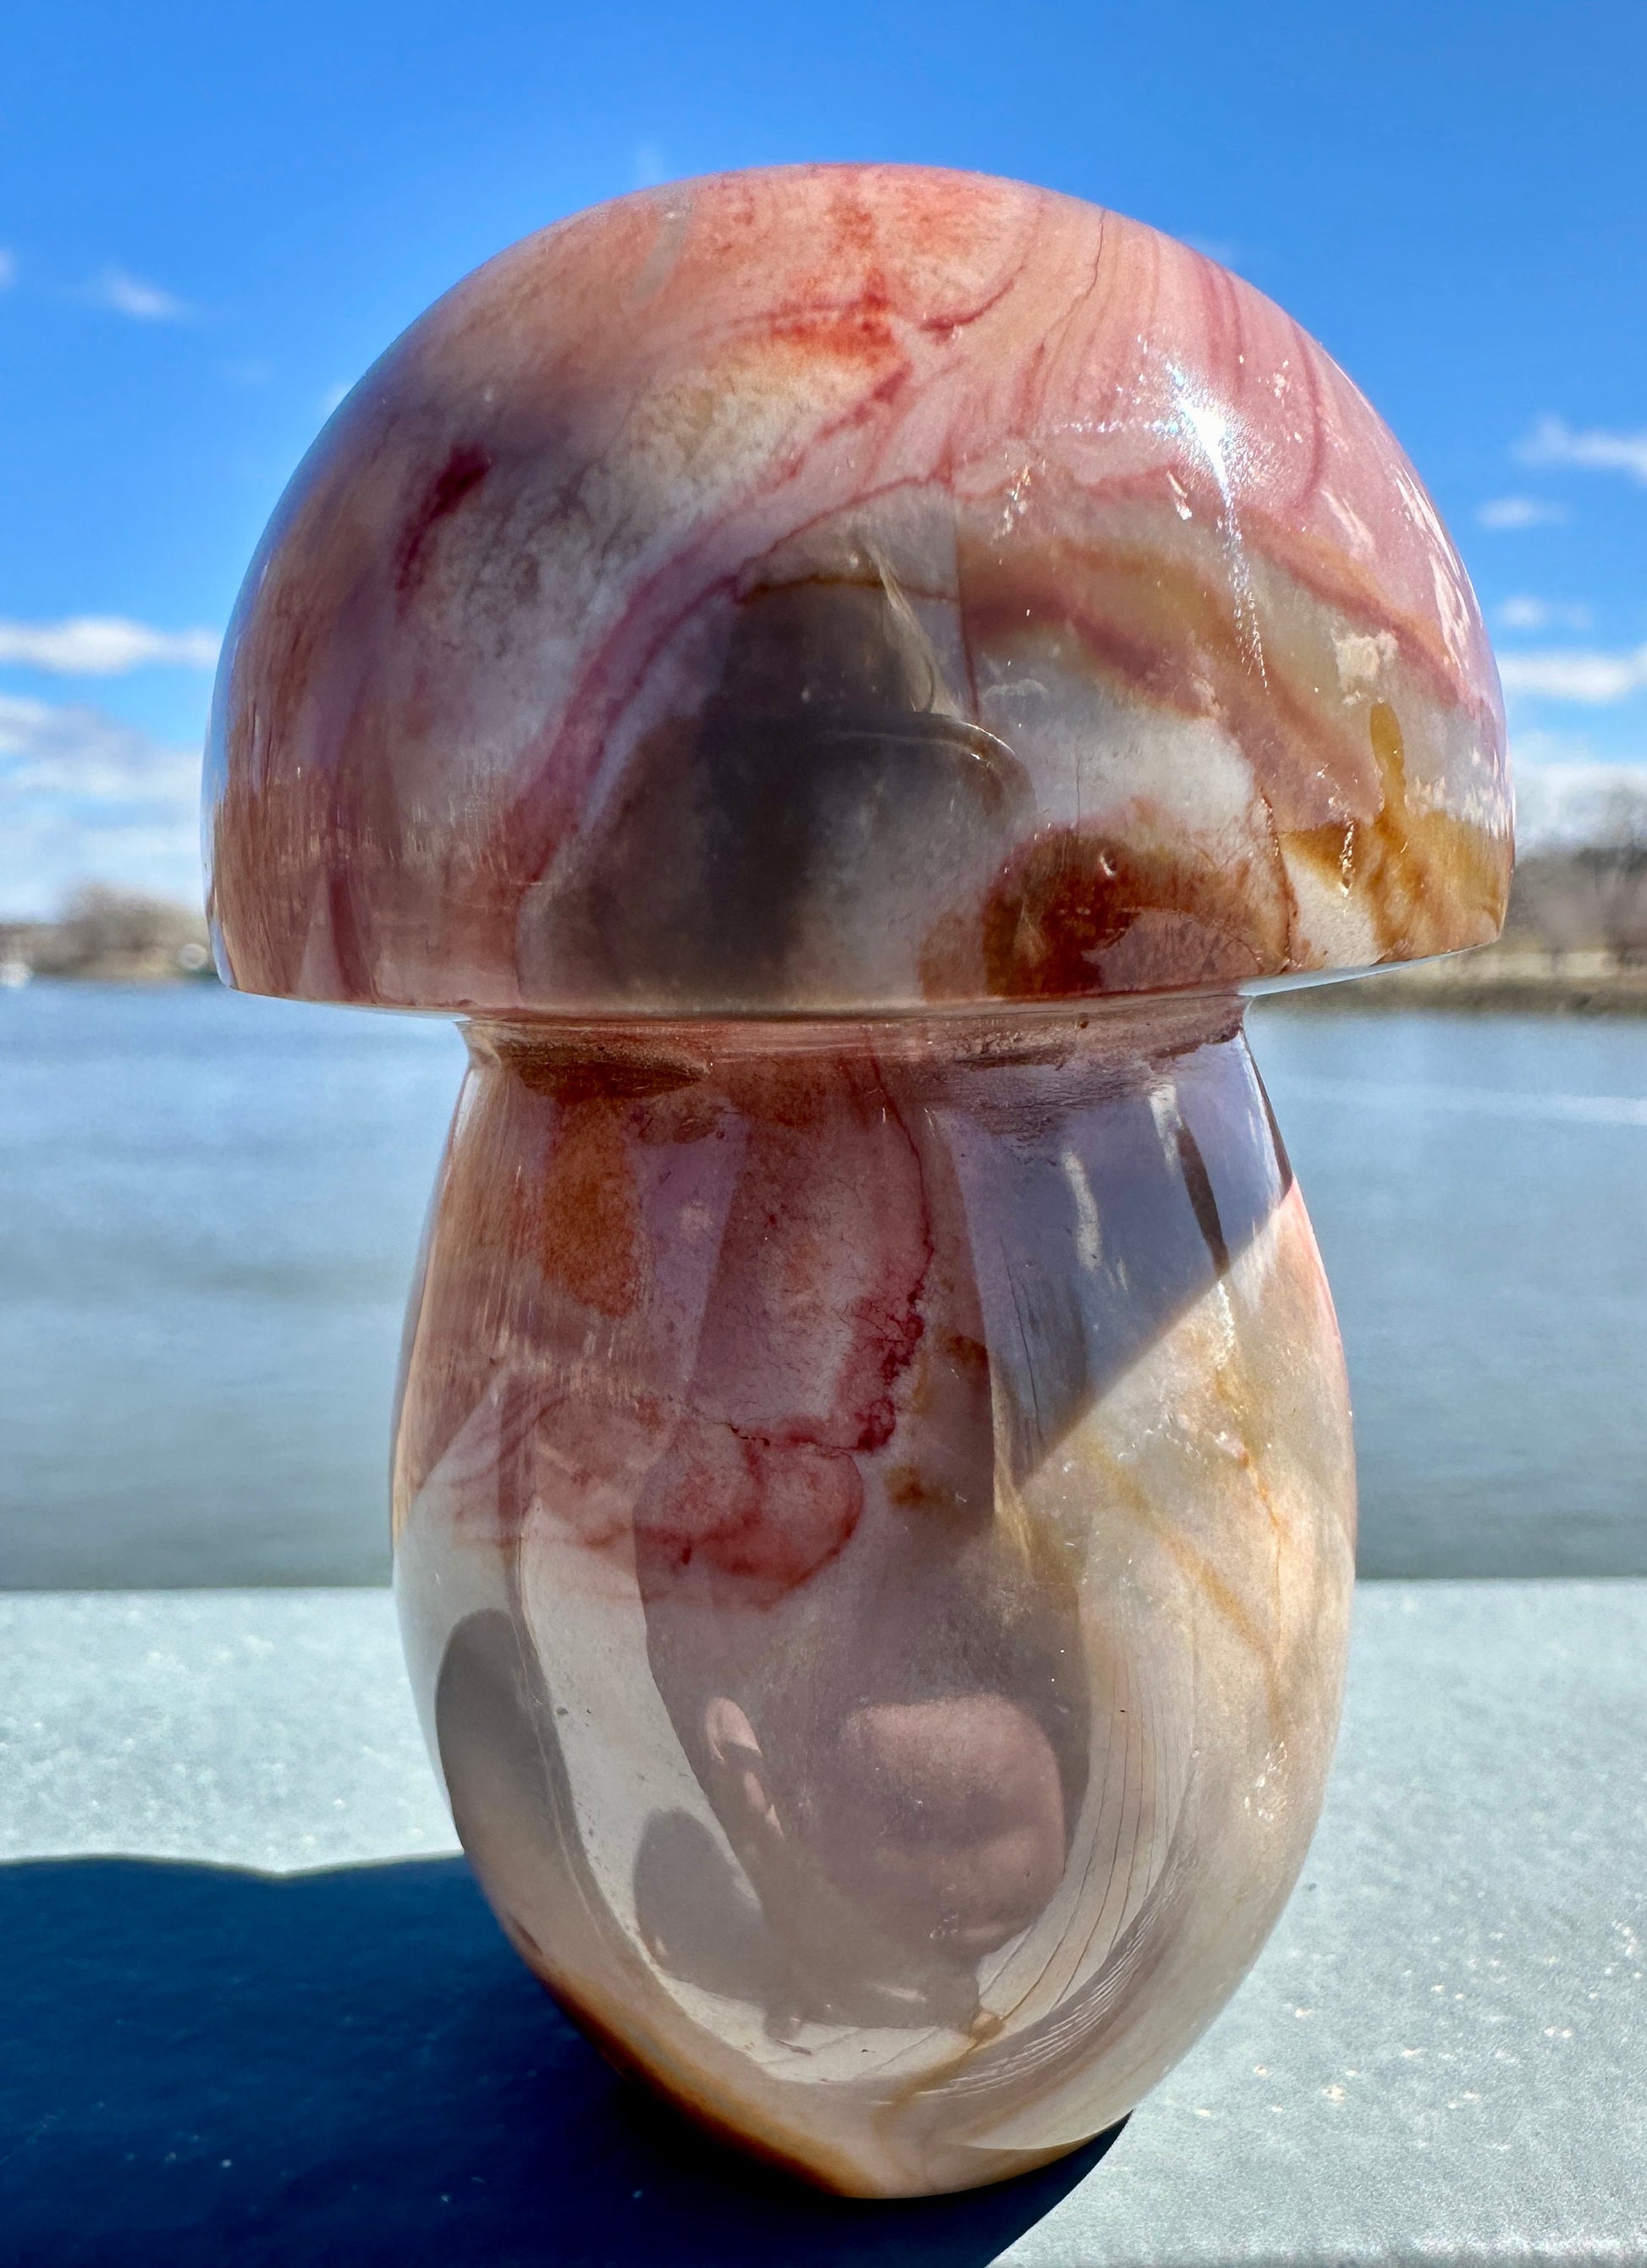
<point>845,676</point>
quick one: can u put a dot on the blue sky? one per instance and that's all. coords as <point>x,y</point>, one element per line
<point>213,218</point>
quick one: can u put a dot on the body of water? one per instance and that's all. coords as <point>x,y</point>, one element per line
<point>210,1208</point>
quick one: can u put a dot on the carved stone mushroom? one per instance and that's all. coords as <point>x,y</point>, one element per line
<point>847,676</point>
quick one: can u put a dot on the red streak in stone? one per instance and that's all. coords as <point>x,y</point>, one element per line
<point>814,1318</point>
<point>462,473</point>
<point>762,1517</point>
<point>507,569</point>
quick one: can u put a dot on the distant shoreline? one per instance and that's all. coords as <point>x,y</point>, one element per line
<point>1488,982</point>
<point>108,936</point>
<point>138,977</point>
<point>1491,981</point>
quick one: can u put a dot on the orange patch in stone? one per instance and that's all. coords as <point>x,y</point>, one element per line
<point>1077,912</point>
<point>1430,880</point>
<point>590,1243</point>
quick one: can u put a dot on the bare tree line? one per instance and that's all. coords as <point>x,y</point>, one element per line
<point>1586,898</point>
<point>1591,896</point>
<point>108,932</point>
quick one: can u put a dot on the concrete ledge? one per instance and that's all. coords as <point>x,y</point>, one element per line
<point>271,1729</point>
<point>1440,2053</point>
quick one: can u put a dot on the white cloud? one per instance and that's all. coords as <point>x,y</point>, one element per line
<point>1559,805</point>
<point>1529,613</point>
<point>85,798</point>
<point>1520,512</point>
<point>125,294</point>
<point>249,371</point>
<point>8,269</point>
<point>1553,442</point>
<point>103,646</point>
<point>76,750</point>
<point>1575,674</point>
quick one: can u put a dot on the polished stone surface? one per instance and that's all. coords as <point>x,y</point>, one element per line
<point>874,1531</point>
<point>841,586</point>
<point>874,1502</point>
<point>1449,2018</point>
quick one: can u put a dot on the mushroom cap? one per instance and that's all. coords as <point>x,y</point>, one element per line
<point>844,588</point>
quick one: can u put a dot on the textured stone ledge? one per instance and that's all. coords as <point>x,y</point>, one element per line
<point>1441,2054</point>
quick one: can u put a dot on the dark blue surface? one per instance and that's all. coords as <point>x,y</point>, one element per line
<point>199,2065</point>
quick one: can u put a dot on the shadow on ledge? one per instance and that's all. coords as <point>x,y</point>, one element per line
<point>199,2065</point>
